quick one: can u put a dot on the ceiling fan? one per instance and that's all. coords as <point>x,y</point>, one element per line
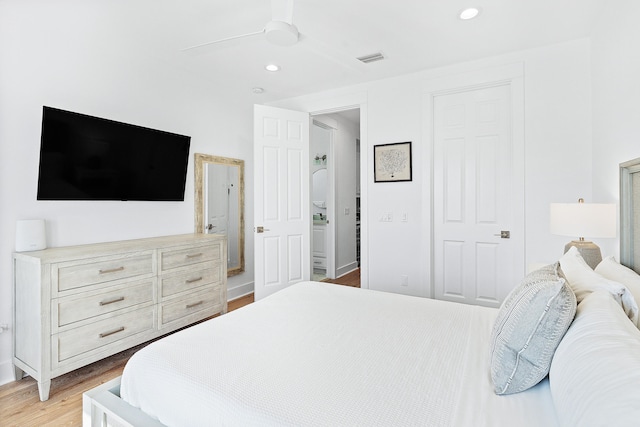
<point>280,31</point>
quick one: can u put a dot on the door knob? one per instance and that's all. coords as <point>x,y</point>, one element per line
<point>504,234</point>
<point>261,229</point>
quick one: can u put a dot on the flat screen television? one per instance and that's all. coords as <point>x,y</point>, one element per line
<point>89,158</point>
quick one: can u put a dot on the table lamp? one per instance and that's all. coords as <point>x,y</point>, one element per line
<point>592,220</point>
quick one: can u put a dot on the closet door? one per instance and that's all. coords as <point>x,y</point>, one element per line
<point>474,250</point>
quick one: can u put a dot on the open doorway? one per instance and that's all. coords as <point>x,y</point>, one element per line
<point>335,194</point>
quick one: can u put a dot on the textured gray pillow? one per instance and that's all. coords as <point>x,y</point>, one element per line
<point>530,324</point>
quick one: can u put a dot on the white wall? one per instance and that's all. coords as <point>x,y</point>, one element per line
<point>616,106</point>
<point>51,57</point>
<point>557,147</point>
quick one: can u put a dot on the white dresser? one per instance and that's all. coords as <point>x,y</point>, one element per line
<point>79,304</point>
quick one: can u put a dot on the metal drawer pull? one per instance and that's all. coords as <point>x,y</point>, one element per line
<point>111,301</point>
<point>115,331</point>
<point>195,304</point>
<point>193,280</point>
<point>112,270</point>
<point>194,255</point>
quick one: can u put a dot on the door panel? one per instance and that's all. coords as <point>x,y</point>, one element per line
<point>487,179</point>
<point>453,271</point>
<point>270,184</point>
<point>295,194</point>
<point>487,255</point>
<point>296,265</point>
<point>271,247</point>
<point>282,206</point>
<point>454,180</point>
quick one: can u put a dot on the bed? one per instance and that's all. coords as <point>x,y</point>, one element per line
<point>562,350</point>
<point>323,354</point>
<point>317,354</point>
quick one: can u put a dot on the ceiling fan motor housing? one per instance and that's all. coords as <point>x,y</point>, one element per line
<point>281,33</point>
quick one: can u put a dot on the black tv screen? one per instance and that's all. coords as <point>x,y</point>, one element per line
<point>89,158</point>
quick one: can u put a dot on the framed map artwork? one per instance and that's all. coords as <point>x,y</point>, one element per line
<point>392,162</point>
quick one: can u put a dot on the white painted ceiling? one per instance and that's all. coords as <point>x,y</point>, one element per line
<point>412,34</point>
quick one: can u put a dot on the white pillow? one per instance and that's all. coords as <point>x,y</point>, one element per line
<point>595,372</point>
<point>527,330</point>
<point>583,280</point>
<point>613,270</point>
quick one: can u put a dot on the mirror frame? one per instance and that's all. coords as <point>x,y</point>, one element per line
<point>200,161</point>
<point>629,238</point>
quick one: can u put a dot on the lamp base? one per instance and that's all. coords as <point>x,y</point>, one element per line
<point>590,251</point>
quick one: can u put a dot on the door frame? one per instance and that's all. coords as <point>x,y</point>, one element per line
<point>351,102</point>
<point>512,75</point>
<point>330,271</point>
<point>337,107</point>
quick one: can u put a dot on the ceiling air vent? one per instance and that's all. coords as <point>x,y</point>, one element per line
<point>378,56</point>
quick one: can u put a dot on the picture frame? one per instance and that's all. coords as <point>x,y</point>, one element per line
<point>392,162</point>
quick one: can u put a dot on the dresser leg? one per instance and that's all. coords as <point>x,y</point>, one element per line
<point>43,389</point>
<point>19,373</point>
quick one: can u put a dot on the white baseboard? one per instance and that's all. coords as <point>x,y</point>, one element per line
<point>345,269</point>
<point>239,291</point>
<point>6,372</point>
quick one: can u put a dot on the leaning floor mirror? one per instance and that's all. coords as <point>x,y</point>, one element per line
<point>219,204</point>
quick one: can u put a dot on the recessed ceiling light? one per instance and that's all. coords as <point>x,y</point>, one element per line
<point>469,13</point>
<point>272,67</point>
<point>257,90</point>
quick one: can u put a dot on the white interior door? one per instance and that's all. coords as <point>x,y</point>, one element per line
<point>473,204</point>
<point>282,204</point>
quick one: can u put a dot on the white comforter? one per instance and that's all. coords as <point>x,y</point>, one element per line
<point>319,354</point>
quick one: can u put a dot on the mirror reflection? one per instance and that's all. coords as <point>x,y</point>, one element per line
<point>219,199</point>
<point>319,191</point>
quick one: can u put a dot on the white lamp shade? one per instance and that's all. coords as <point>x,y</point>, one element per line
<point>583,219</point>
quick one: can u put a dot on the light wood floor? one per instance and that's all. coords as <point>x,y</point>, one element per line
<point>350,279</point>
<point>21,406</point>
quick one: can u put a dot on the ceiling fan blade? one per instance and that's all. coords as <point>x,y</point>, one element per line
<point>282,10</point>
<point>204,46</point>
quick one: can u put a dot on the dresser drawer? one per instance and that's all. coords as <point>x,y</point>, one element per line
<point>189,280</point>
<point>88,273</point>
<point>73,309</point>
<point>95,335</point>
<point>202,301</point>
<point>189,256</point>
